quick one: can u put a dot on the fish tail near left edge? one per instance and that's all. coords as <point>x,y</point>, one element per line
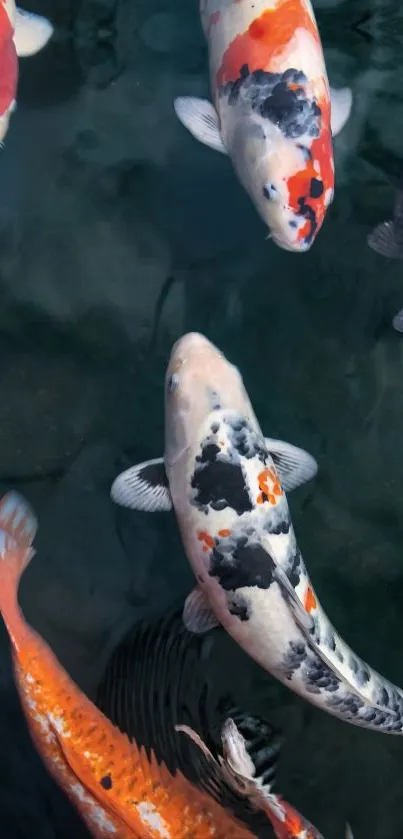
<point>18,527</point>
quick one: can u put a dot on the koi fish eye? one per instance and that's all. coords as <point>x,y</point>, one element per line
<point>270,192</point>
<point>173,383</point>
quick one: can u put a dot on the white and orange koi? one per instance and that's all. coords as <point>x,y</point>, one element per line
<point>226,483</point>
<point>273,111</point>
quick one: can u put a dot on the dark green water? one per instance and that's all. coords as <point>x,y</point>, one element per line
<point>118,233</point>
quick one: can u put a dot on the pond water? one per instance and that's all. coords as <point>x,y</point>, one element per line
<point>119,232</point>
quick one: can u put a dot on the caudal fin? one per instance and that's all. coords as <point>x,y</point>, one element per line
<point>18,526</point>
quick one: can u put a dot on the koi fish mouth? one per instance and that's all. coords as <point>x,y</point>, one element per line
<point>297,246</point>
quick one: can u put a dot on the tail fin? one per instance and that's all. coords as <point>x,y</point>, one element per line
<point>18,526</point>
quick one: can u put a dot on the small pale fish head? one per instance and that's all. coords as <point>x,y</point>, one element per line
<point>198,380</point>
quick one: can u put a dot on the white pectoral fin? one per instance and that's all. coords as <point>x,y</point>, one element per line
<point>198,617</point>
<point>143,487</point>
<point>200,118</point>
<point>341,104</point>
<point>31,33</point>
<point>295,466</point>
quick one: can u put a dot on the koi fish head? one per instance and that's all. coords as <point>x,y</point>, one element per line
<point>281,147</point>
<point>199,380</point>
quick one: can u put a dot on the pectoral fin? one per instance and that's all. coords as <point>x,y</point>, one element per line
<point>200,118</point>
<point>143,487</point>
<point>341,104</point>
<point>198,616</point>
<point>31,33</point>
<point>383,240</point>
<point>295,466</point>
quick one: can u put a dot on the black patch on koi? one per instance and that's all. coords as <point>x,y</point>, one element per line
<point>279,97</point>
<point>316,188</point>
<point>106,782</point>
<point>319,676</point>
<point>238,606</point>
<point>296,655</point>
<point>247,565</point>
<point>154,475</point>
<point>276,522</point>
<point>309,213</point>
<point>305,151</point>
<point>347,704</point>
<point>316,674</point>
<point>331,642</point>
<point>294,572</point>
<point>218,482</point>
<point>245,440</point>
<point>269,192</point>
<point>214,399</point>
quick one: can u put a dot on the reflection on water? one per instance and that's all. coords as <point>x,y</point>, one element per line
<point>118,233</point>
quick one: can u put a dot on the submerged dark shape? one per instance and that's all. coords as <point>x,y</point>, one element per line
<point>387,240</point>
<point>155,680</point>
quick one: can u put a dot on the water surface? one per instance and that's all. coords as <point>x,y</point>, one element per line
<point>119,232</point>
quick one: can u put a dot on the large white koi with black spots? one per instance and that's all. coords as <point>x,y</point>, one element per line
<point>273,111</point>
<point>227,483</point>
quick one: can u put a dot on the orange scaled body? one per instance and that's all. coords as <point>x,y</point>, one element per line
<point>118,791</point>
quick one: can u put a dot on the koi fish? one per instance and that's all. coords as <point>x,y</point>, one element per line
<point>250,746</point>
<point>273,112</point>
<point>387,239</point>
<point>226,483</point>
<point>21,34</point>
<point>119,791</point>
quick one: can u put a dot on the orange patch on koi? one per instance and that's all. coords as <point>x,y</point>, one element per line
<point>299,184</point>
<point>310,600</point>
<point>224,532</point>
<point>268,491</point>
<point>266,36</point>
<point>208,540</point>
